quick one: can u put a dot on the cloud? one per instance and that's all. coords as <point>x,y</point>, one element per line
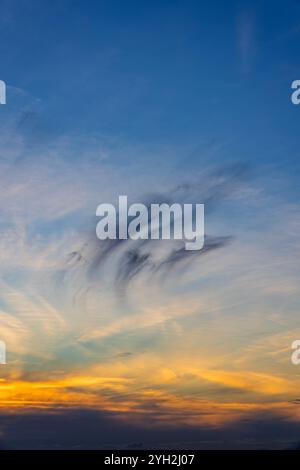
<point>64,430</point>
<point>133,259</point>
<point>183,344</point>
<point>246,37</point>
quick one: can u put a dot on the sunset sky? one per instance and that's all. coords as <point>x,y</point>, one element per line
<point>141,343</point>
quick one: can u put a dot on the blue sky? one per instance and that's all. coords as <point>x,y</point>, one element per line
<point>159,71</point>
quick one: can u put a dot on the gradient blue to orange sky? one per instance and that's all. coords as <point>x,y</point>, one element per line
<point>133,345</point>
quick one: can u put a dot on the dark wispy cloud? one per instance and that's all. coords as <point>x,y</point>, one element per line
<point>131,259</point>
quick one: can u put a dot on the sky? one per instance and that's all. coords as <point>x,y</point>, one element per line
<point>139,344</point>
